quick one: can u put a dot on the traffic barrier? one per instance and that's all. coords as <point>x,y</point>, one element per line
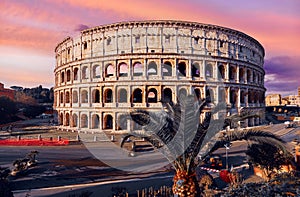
<point>33,142</point>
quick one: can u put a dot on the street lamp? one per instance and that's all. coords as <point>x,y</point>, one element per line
<point>226,148</point>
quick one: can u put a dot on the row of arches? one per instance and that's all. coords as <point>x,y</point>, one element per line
<point>166,69</point>
<point>96,121</point>
<point>122,96</point>
<point>240,74</point>
<point>234,96</point>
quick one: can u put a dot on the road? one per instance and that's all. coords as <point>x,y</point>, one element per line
<point>74,164</point>
<point>80,164</point>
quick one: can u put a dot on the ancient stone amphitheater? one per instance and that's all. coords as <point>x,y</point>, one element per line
<point>108,70</point>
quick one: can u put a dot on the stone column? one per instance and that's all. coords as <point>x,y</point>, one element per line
<point>238,98</point>
<point>227,72</point>
<point>237,73</point>
<point>204,69</point>
<point>189,69</point>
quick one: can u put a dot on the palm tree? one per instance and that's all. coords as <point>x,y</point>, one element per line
<point>180,135</point>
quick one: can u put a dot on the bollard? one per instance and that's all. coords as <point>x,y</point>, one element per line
<point>51,138</point>
<point>78,138</point>
<point>18,138</point>
<point>58,138</point>
<point>39,137</point>
<point>133,147</point>
<point>95,138</point>
<point>112,138</point>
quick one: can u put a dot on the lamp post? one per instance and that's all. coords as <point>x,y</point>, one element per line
<point>226,148</point>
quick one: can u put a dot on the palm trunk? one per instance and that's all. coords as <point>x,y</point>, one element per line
<point>185,184</point>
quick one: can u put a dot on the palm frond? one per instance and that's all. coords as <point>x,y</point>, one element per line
<point>257,136</point>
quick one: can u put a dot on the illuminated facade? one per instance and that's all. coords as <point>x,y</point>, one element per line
<point>109,70</point>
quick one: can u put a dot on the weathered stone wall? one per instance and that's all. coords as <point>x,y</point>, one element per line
<point>150,61</point>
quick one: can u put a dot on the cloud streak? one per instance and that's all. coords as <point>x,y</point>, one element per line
<point>282,74</point>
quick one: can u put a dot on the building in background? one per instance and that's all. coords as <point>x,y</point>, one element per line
<point>108,70</point>
<point>273,100</point>
<point>293,99</point>
<point>7,92</point>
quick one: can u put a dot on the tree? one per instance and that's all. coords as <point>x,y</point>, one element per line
<point>180,135</point>
<point>269,158</point>
<point>7,109</point>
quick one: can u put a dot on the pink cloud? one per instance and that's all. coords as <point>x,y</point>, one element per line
<point>43,24</point>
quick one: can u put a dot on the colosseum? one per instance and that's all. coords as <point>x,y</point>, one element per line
<point>108,70</point>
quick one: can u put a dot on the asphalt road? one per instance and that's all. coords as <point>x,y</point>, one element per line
<point>80,164</point>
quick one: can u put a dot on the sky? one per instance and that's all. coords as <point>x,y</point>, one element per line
<point>31,29</point>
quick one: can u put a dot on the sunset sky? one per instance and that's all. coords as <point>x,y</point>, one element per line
<point>30,30</point>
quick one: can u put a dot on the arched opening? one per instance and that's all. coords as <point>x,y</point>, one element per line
<point>84,96</point>
<point>209,70</point>
<point>250,96</point>
<point>96,96</point>
<point>195,70</point>
<point>61,119</point>
<point>256,97</point>
<point>84,121</point>
<point>67,123</point>
<point>67,97</point>
<point>182,93</point>
<point>241,75</point>
<point>152,95</point>
<point>61,97</point>
<point>221,74</point>
<point>232,73</point>
<point>75,97</point>
<point>110,70</point>
<point>95,121</point>
<point>182,69</point>
<point>68,75</point>
<point>209,95</point>
<point>167,69</point>
<point>62,77</point>
<point>233,98</point>
<point>222,95</point>
<point>108,122</point>
<point>75,74</point>
<point>123,70</point>
<point>96,71</point>
<point>167,95</point>
<point>122,96</point>
<point>152,68</point>
<point>262,97</point>
<point>137,69</point>
<point>197,93</point>
<point>85,73</point>
<point>249,76</point>
<point>108,96</point>
<point>258,81</point>
<point>122,122</point>
<point>74,120</point>
<point>242,96</point>
<point>254,77</point>
<point>137,96</point>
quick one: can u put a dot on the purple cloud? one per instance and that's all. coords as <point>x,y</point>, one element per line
<point>80,27</point>
<point>282,75</point>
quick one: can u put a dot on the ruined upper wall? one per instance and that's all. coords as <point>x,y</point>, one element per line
<point>160,37</point>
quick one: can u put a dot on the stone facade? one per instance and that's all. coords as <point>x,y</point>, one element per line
<point>273,100</point>
<point>293,99</point>
<point>108,70</point>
